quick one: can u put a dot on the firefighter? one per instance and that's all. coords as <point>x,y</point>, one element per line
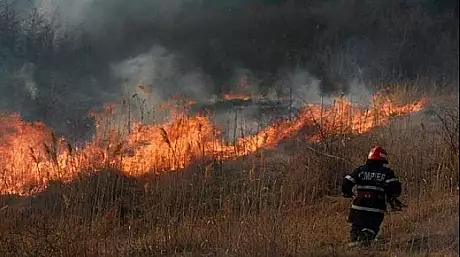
<point>376,184</point>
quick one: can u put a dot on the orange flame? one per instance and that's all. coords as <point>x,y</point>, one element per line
<point>229,97</point>
<point>30,155</point>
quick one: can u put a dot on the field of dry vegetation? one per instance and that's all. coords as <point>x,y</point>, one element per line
<point>282,201</point>
<point>175,189</point>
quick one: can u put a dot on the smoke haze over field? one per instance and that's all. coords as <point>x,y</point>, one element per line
<point>86,53</point>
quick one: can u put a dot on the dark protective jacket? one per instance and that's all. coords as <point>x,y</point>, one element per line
<point>375,185</point>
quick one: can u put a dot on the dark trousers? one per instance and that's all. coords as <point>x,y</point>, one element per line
<point>364,224</point>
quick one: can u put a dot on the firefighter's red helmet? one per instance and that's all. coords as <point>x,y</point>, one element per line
<point>379,154</point>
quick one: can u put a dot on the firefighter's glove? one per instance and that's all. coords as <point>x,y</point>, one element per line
<point>395,208</point>
<point>395,204</point>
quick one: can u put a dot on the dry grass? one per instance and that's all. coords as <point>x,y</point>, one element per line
<point>425,228</point>
<point>283,202</point>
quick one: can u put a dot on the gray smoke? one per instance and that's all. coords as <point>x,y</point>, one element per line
<point>158,71</point>
<point>65,57</point>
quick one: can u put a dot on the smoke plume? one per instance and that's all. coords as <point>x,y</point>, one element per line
<point>65,57</point>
